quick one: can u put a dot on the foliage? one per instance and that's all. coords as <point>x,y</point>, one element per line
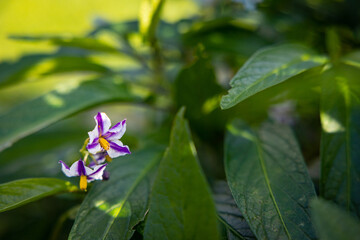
<point>258,98</point>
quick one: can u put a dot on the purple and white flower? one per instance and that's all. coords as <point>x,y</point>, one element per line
<point>99,158</point>
<point>103,138</point>
<point>86,174</point>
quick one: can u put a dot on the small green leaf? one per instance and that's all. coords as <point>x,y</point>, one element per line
<point>332,223</point>
<point>181,206</point>
<point>35,114</point>
<point>229,214</point>
<point>112,208</point>
<point>149,17</point>
<point>268,67</point>
<point>269,181</point>
<point>340,155</point>
<point>17,193</point>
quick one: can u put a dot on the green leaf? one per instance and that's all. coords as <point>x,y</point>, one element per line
<point>268,67</point>
<point>112,208</point>
<point>181,206</point>
<point>332,223</point>
<point>35,114</point>
<point>340,139</point>
<point>229,214</point>
<point>17,193</point>
<point>76,42</point>
<point>269,181</point>
<point>74,63</point>
<point>13,72</point>
<point>149,17</point>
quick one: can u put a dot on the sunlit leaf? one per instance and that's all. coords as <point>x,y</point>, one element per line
<point>112,208</point>
<point>340,140</point>
<point>17,193</point>
<point>149,17</point>
<point>181,206</point>
<point>269,181</point>
<point>333,223</point>
<point>229,214</point>
<point>268,67</point>
<point>33,115</point>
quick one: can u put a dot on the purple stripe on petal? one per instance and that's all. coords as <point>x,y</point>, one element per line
<point>122,149</point>
<point>100,123</point>
<point>64,164</point>
<point>93,144</point>
<point>98,170</point>
<point>81,168</point>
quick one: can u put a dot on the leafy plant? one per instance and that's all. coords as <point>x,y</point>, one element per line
<point>207,160</point>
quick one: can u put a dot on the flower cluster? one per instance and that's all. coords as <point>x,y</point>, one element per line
<point>102,145</point>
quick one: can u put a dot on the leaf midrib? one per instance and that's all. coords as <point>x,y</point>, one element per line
<point>268,185</point>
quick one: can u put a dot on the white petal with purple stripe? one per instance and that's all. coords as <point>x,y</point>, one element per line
<point>117,149</point>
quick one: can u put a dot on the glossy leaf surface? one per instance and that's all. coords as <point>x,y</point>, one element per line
<point>269,181</point>
<point>17,193</point>
<point>268,67</point>
<point>112,208</point>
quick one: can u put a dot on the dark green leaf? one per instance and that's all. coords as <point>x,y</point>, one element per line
<point>33,115</point>
<point>76,42</point>
<point>269,181</point>
<point>229,214</point>
<point>181,206</point>
<point>112,208</point>
<point>352,59</point>
<point>268,67</point>
<point>332,223</point>
<point>188,83</point>
<point>340,154</point>
<point>11,73</point>
<point>17,193</point>
<point>71,64</point>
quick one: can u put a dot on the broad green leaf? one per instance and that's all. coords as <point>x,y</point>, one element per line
<point>229,214</point>
<point>332,223</point>
<point>76,42</point>
<point>13,72</point>
<point>33,115</point>
<point>149,17</point>
<point>340,139</point>
<point>268,67</point>
<point>269,181</point>
<point>112,208</point>
<point>17,193</point>
<point>181,206</point>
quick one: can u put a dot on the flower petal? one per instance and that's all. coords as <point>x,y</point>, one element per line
<point>117,149</point>
<point>74,170</point>
<point>96,173</point>
<point>117,131</point>
<point>100,157</point>
<point>103,123</point>
<point>94,147</point>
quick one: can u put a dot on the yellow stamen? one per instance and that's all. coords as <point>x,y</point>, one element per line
<point>108,158</point>
<point>83,182</point>
<point>104,144</point>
